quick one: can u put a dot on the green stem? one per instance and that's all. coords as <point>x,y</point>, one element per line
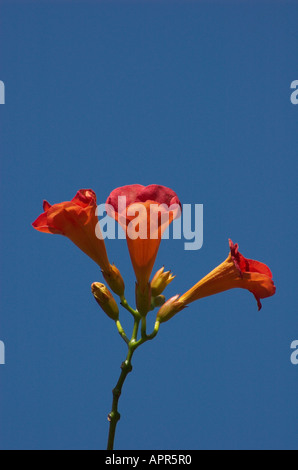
<point>114,416</point>
<point>121,331</point>
<point>135,331</point>
<point>146,337</point>
<point>126,305</point>
<point>143,328</point>
<point>126,368</point>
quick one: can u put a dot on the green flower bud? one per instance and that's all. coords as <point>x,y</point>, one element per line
<point>158,301</point>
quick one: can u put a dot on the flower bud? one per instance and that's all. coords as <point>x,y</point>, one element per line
<point>105,300</point>
<point>143,299</point>
<point>160,281</point>
<point>158,301</point>
<point>114,280</point>
<point>169,309</point>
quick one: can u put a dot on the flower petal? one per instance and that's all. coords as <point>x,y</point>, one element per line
<point>235,272</point>
<point>144,212</point>
<point>77,220</point>
<point>46,205</point>
<point>245,264</point>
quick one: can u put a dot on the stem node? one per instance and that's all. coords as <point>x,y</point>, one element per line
<point>114,416</point>
<point>126,366</point>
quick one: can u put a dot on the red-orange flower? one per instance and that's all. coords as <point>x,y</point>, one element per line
<point>77,220</point>
<point>144,213</point>
<point>236,271</point>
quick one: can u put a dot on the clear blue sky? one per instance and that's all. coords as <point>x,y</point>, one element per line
<point>191,95</point>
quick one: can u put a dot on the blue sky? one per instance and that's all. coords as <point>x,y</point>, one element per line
<point>191,95</point>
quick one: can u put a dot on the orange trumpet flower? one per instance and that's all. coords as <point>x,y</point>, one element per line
<point>235,271</point>
<point>144,213</point>
<point>76,220</point>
